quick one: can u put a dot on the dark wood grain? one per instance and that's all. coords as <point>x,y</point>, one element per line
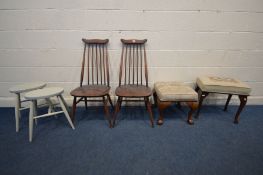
<point>95,41</point>
<point>203,94</point>
<point>133,41</point>
<point>243,101</point>
<point>133,62</point>
<point>95,55</point>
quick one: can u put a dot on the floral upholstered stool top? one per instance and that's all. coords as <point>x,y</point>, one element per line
<point>166,93</point>
<point>230,86</point>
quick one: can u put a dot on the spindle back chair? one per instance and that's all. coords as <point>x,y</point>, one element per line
<point>133,67</point>
<point>96,57</point>
<point>95,61</point>
<point>133,76</point>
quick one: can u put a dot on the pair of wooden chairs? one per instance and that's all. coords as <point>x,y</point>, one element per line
<point>133,76</point>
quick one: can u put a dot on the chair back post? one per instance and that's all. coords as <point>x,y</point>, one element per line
<point>145,66</point>
<point>120,73</point>
<point>82,67</point>
<point>107,65</point>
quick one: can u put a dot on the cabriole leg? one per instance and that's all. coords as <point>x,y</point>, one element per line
<point>201,98</point>
<point>227,102</point>
<point>243,101</point>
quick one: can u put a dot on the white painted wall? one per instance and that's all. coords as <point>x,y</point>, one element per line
<point>41,40</point>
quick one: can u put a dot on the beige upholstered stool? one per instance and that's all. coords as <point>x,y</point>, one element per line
<point>167,93</point>
<point>46,94</point>
<point>230,86</point>
<point>18,90</point>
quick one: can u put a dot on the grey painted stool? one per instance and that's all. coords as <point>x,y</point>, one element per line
<point>46,94</point>
<point>18,90</point>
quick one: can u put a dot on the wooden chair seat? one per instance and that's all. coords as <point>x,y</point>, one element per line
<point>133,91</point>
<point>90,91</point>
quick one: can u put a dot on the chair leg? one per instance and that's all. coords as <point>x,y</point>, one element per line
<point>149,108</point>
<point>17,111</point>
<point>86,103</point>
<point>155,99</point>
<point>201,98</point>
<point>193,106</point>
<point>106,110</point>
<point>62,105</point>
<point>73,110</point>
<point>110,101</point>
<point>243,101</point>
<point>31,117</point>
<point>117,109</point>
<point>227,102</point>
<point>120,104</point>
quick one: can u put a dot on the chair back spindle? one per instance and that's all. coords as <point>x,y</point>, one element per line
<point>95,60</point>
<point>133,66</point>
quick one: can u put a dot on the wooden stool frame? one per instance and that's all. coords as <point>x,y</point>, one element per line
<point>162,105</point>
<point>203,94</point>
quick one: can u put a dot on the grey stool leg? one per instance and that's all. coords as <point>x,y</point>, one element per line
<point>65,104</point>
<point>35,110</point>
<point>17,110</point>
<point>31,118</point>
<point>50,105</point>
<point>64,108</point>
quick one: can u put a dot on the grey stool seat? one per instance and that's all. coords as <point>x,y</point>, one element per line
<point>18,90</point>
<point>46,94</point>
<point>21,88</point>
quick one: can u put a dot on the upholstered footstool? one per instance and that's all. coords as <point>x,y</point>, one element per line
<point>167,93</point>
<point>230,86</point>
